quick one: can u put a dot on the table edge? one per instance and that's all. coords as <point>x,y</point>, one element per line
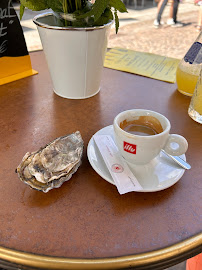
<point>160,258</point>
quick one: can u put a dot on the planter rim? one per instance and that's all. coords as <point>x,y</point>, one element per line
<point>44,25</point>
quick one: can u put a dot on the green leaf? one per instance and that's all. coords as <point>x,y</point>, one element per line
<point>105,18</point>
<point>55,5</point>
<point>97,9</point>
<point>118,5</point>
<point>34,5</point>
<point>85,13</point>
<point>22,9</point>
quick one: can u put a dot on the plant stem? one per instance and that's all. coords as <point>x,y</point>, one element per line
<point>64,4</point>
<point>78,4</point>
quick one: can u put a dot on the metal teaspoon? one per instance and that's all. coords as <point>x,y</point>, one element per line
<point>178,160</point>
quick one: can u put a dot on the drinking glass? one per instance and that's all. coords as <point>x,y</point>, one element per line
<point>189,68</point>
<point>195,107</point>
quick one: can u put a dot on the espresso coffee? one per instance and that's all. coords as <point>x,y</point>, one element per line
<point>142,126</point>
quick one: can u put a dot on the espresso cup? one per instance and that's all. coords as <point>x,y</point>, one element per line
<point>141,134</point>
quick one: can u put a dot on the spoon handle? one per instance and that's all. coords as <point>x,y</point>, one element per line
<point>179,161</point>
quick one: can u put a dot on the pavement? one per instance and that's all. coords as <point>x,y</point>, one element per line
<point>137,32</point>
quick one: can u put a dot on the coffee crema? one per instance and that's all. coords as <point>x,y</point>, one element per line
<point>142,126</point>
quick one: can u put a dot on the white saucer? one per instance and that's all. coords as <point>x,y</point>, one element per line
<point>161,173</point>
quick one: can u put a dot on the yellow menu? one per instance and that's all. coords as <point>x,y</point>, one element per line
<point>146,64</point>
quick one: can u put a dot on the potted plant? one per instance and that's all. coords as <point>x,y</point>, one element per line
<point>74,38</point>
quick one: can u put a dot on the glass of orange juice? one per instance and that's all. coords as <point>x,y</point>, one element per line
<point>186,78</point>
<point>189,68</point>
<point>195,107</point>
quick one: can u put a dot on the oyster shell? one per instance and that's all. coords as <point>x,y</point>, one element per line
<point>52,165</point>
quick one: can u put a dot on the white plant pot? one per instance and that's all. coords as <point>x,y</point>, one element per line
<point>75,56</point>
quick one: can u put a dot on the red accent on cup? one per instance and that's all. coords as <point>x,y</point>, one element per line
<point>129,147</point>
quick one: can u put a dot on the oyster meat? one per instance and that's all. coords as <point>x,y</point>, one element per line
<point>52,165</point>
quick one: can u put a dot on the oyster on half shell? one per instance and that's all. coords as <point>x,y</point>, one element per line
<point>52,165</point>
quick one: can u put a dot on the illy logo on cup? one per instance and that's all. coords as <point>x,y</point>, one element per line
<point>129,147</point>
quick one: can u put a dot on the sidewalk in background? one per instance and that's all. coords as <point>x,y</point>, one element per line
<point>137,31</point>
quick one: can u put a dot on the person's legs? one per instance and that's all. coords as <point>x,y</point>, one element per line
<point>175,10</point>
<point>160,9</point>
<point>171,9</point>
<point>172,21</point>
<point>159,6</point>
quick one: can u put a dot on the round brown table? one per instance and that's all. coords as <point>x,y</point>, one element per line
<point>86,224</point>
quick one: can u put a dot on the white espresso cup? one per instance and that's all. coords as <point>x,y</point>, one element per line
<point>140,148</point>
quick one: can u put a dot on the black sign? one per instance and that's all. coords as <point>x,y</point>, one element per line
<point>193,53</point>
<point>12,41</point>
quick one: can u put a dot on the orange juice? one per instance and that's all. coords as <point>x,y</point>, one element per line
<point>186,79</point>
<point>189,68</point>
